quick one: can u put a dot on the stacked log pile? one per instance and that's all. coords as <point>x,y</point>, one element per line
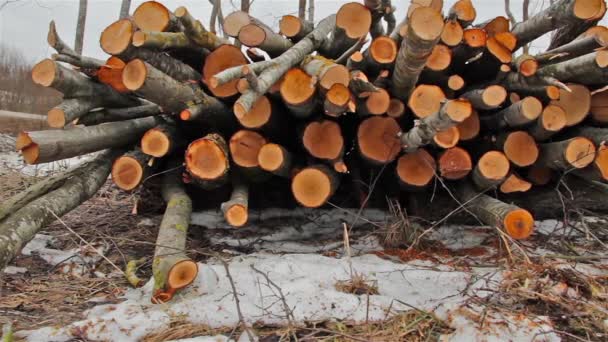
<point>440,95</point>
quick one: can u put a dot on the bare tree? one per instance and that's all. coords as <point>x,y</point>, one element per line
<point>82,17</point>
<point>124,9</point>
<point>526,15</point>
<point>302,10</point>
<point>311,11</point>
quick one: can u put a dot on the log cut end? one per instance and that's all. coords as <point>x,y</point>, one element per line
<point>271,157</point>
<point>116,38</point>
<point>452,33</point>
<point>234,22</point>
<point>599,107</point>
<point>458,110</point>
<point>531,108</point>
<point>111,74</point>
<point>182,274</point>
<point>29,149</point>
<point>519,224</point>
<point>297,87</point>
<point>426,100</point>
<point>475,37</point>
<point>587,9</point>
<point>378,140</point>
<point>259,115</point>
<point>378,102</point>
<point>553,118</point>
<point>580,152</point>
<point>528,67</point>
<point>206,159</point>
<point>521,148</point>
<point>44,72</point>
<point>576,103</point>
<point>447,138</point>
<point>56,118</point>
<point>416,169</point>
<point>134,75</point>
<point>355,19</point>
<point>427,22</point>
<point>323,139</point>
<point>493,166</point>
<point>396,108</point>
<point>494,96</point>
<point>337,98</point>
<point>440,58</point>
<point>312,187</point>
<point>464,11</point>
<point>245,146</point>
<point>127,173</point>
<point>498,50</point>
<point>290,26</point>
<point>455,163</point>
<point>383,50</point>
<point>514,183</point>
<point>237,215</point>
<point>469,128</point>
<point>552,92</point>
<point>152,16</point>
<point>222,58</point>
<point>252,35</point>
<point>455,82</point>
<point>338,74</point>
<point>601,162</point>
<point>155,143</point>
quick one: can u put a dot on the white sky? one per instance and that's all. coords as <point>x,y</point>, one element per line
<point>24,23</point>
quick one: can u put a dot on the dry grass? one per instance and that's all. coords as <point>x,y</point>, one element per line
<point>357,285</point>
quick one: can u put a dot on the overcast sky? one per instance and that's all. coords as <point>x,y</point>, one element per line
<point>24,23</point>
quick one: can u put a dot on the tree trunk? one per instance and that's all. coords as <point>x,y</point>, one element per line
<point>17,229</point>
<point>80,25</point>
<point>311,11</point>
<point>295,28</point>
<point>51,145</point>
<point>302,9</point>
<point>575,48</point>
<point>172,269</point>
<point>424,30</point>
<point>125,6</point>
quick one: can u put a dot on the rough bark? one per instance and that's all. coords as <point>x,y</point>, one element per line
<point>587,69</point>
<point>51,145</point>
<point>17,229</point>
<point>197,33</point>
<point>118,114</point>
<point>302,9</point>
<point>566,155</point>
<point>575,48</point>
<point>125,5</point>
<point>264,38</point>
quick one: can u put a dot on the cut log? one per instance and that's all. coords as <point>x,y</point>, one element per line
<point>575,48</point>
<point>118,114</point>
<point>21,226</point>
<point>262,37</point>
<point>598,170</point>
<point>491,170</point>
<point>52,145</point>
<point>172,269</point>
<point>567,33</point>
<point>516,222</point>
<point>111,74</point>
<point>377,103</point>
<point>550,122</point>
<point>455,163</point>
<point>424,30</point>
<point>245,146</point>
<point>519,114</point>
<point>325,72</point>
<point>519,147</point>
<point>223,58</point>
<point>377,139</point>
<point>599,107</point>
<point>380,55</point>
<point>161,140</point>
<point>473,43</point>
<point>447,138</point>
<point>236,209</point>
<point>575,153</point>
<point>514,183</point>
<point>599,136</point>
<point>313,186</point>
<point>283,63</point>
<point>298,91</point>
<point>588,69</point>
<point>355,61</point>
<point>323,140</point>
<point>396,108</point>
<point>353,22</point>
<point>336,100</point>
<point>426,100</point>
<point>130,170</point>
<point>88,65</point>
<point>167,41</point>
<point>416,170</point>
<point>469,128</point>
<point>561,12</point>
<point>487,98</point>
<point>72,84</point>
<point>295,28</point>
<point>452,33</point>
<point>208,162</point>
<point>545,89</point>
<point>235,21</point>
<point>464,12</point>
<point>171,95</point>
<point>154,16</point>
<point>275,159</point>
<point>440,58</point>
<point>196,32</point>
<point>576,103</point>
<point>264,117</point>
<point>451,114</point>
<point>539,175</point>
<point>526,65</point>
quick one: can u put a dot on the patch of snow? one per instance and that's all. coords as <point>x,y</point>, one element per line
<point>457,237</point>
<point>218,338</point>
<point>13,161</point>
<point>14,270</point>
<point>308,282</point>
